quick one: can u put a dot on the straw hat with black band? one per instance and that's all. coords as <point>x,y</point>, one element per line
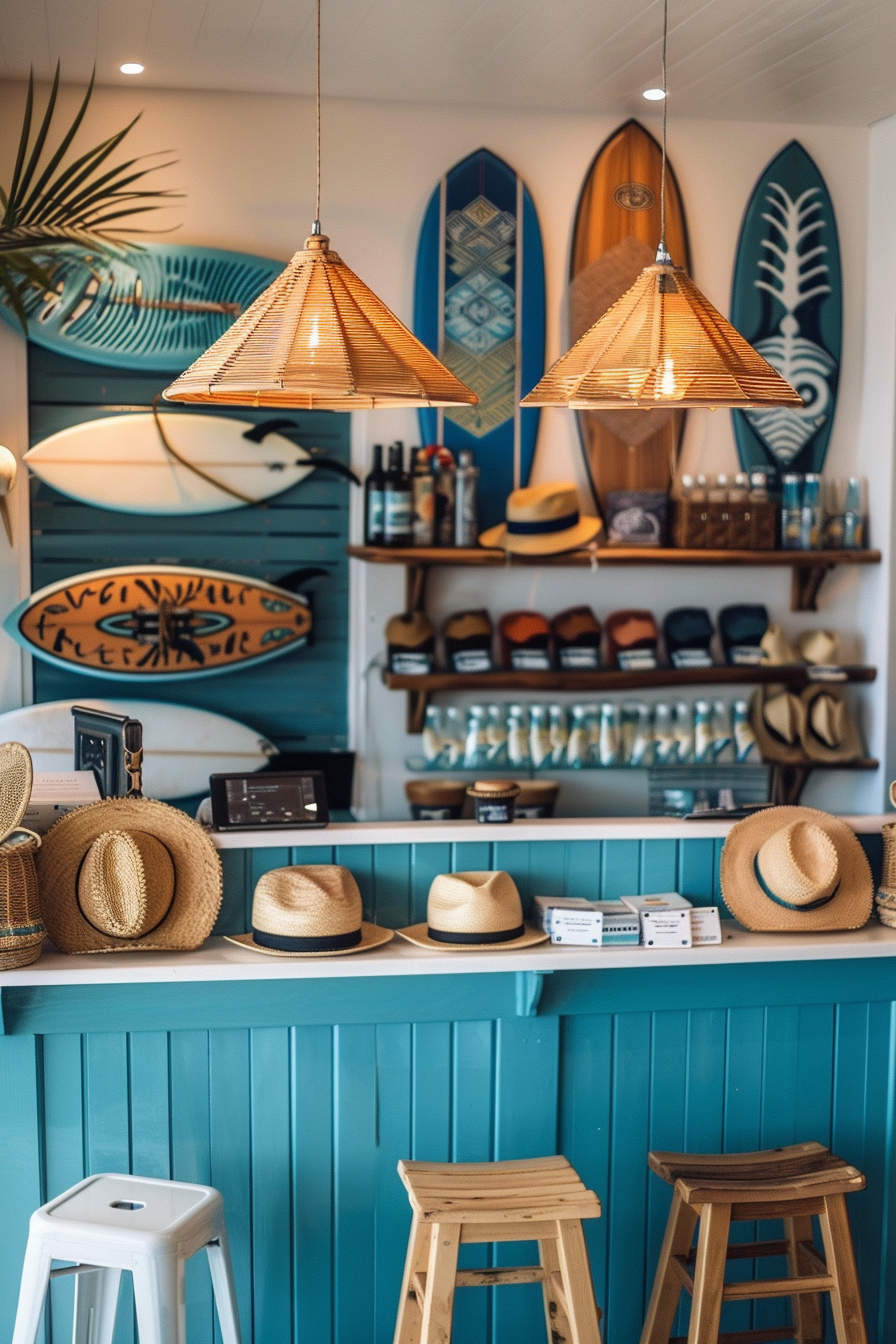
<point>129,875</point>
<point>309,910</point>
<point>796,870</point>
<point>543,520</point>
<point>473,912</point>
<point>830,733</point>
<point>778,718</point>
<point>22,930</point>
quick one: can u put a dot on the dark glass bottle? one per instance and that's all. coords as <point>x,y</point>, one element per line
<point>375,501</point>
<point>398,511</point>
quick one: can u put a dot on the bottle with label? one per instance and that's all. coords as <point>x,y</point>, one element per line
<point>758,486</point>
<point>718,492</point>
<point>466,511</point>
<point>375,500</point>
<point>699,489</point>
<point>811,515</point>
<point>398,501</point>
<point>739,492</point>
<point>423,484</point>
<point>854,514</point>
<point>445,485</point>
<point>791,512</point>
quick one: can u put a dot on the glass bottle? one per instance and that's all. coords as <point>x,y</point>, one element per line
<point>398,501</point>
<point>375,500</point>
<point>423,500</point>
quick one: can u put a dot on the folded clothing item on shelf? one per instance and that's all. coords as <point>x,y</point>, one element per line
<point>741,629</point>
<point>468,641</point>
<point>632,637</point>
<point>576,634</point>
<point>687,632</point>
<point>525,641</point>
<point>410,643</point>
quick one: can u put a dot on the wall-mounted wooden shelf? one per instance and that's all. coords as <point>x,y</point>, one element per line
<point>809,567</point>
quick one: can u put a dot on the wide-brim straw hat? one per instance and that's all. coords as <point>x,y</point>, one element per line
<point>474,912</point>
<point>543,520</point>
<point>309,910</point>
<point>796,870</point>
<point>830,732</point>
<point>22,930</point>
<point>129,875</point>
<point>778,718</point>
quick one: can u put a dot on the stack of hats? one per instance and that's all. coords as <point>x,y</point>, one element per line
<point>632,638</point>
<point>815,727</point>
<point>22,930</point>
<point>885,900</point>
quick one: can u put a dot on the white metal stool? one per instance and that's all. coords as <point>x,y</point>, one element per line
<point>109,1223</point>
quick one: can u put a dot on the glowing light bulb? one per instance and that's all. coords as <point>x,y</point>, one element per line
<point>654,95</point>
<point>667,381</point>
<point>314,337</point>
<point>131,68</point>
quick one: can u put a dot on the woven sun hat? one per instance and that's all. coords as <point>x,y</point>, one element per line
<point>778,718</point>
<point>470,912</point>
<point>829,730</point>
<point>543,520</point>
<point>794,869</point>
<point>22,930</point>
<point>309,910</point>
<point>129,875</point>
<point>776,647</point>
<point>821,648</point>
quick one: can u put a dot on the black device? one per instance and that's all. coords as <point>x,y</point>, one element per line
<point>337,767</point>
<point>269,800</point>
<point>111,745</point>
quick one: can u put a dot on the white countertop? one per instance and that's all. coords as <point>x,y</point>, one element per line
<point>460,832</point>
<point>221,960</point>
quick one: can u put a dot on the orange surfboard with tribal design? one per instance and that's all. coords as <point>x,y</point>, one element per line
<point>160,622</point>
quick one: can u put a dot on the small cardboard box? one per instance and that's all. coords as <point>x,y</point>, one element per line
<point>580,928</point>
<point>666,928</point>
<point>661,900</point>
<point>575,921</point>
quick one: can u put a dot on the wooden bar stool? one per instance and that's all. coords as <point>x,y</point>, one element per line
<point>454,1203</point>
<point>787,1183</point>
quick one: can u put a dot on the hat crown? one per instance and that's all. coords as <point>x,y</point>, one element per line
<point>799,864</point>
<point>540,503</point>
<point>783,715</point>
<point>126,883</point>
<point>827,715</point>
<point>307,901</point>
<point>15,786</point>
<point>481,902</point>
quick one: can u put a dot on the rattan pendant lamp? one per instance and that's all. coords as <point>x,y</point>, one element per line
<point>319,339</point>
<point>662,343</point>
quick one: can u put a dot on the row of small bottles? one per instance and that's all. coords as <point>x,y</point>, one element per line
<point>432,505</point>
<point>722,489</point>
<point>816,511</point>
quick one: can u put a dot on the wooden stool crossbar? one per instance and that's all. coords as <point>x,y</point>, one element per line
<point>792,1184</point>
<point>458,1203</point>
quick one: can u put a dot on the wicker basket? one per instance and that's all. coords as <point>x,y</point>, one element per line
<point>21,928</point>
<point>751,526</point>
<point>887,885</point>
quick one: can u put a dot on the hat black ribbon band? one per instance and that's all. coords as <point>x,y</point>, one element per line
<point>546,525</point>
<point>813,905</point>
<point>502,936</point>
<point>333,942</point>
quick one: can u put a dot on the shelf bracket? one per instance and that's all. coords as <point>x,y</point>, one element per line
<point>529,986</point>
<point>805,583</point>
<point>415,587</point>
<point>786,783</point>
<point>417,704</point>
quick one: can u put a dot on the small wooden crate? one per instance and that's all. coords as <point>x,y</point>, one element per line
<point>751,526</point>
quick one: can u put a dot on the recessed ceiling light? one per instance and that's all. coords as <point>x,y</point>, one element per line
<point>135,68</point>
<point>652,95</point>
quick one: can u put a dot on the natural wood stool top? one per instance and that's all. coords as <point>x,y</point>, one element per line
<point>494,1192</point>
<point>767,1165</point>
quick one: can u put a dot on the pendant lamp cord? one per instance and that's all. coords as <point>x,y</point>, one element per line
<point>316,228</point>
<point>662,247</point>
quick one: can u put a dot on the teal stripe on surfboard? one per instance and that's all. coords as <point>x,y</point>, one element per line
<point>479,303</point>
<point>787,300</point>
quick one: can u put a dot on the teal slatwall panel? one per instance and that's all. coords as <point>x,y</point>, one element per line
<point>300,700</point>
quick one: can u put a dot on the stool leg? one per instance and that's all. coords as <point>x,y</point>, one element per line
<point>846,1295</point>
<point>666,1287</point>
<point>441,1278</point>
<point>32,1292</point>
<point>160,1300</point>
<point>709,1274</point>
<point>96,1302</point>
<point>410,1309</point>
<point>554,1310</point>
<point>224,1288</point>
<point>806,1306</point>
<point>577,1285</point>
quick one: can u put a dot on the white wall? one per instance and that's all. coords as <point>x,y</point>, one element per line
<point>246,165</point>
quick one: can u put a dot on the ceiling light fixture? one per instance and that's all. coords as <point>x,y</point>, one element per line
<point>662,343</point>
<point>132,68</point>
<point>319,339</point>
<point>654,95</point>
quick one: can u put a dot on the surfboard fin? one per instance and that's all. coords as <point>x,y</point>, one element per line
<point>260,432</point>
<point>296,577</point>
<point>327,464</point>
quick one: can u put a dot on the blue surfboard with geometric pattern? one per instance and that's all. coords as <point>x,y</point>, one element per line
<point>787,300</point>
<point>479,304</point>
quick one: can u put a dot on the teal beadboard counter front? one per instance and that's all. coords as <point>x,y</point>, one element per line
<point>295,1086</point>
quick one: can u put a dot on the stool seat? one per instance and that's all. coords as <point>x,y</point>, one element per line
<point>766,1165</point>
<point>463,1192</point>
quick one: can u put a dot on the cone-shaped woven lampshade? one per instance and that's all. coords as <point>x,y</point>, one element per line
<point>662,343</point>
<point>319,339</point>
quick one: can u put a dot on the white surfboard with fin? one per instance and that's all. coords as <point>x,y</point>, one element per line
<point>182,746</point>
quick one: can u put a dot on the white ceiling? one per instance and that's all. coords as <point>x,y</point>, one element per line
<point>768,60</point>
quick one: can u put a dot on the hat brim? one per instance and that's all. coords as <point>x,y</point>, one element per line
<point>543,543</point>
<point>198,886</point>
<point>419,934</point>
<point>850,749</point>
<point>850,907</point>
<point>770,747</point>
<point>371,936</point>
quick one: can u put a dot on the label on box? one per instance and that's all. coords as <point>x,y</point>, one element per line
<point>666,928</point>
<point>411,664</point>
<point>705,926</point>
<point>530,660</point>
<point>578,658</point>
<point>636,660</point>
<point>745,655</point>
<point>580,928</point>
<point>691,658</point>
<point>661,900</point>
<point>54,793</point>
<point>472,660</point>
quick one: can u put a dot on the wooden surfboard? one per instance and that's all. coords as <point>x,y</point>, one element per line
<point>616,234</point>
<point>159,622</point>
<point>156,307</point>
<point>787,300</point>
<point>122,463</point>
<point>479,304</point>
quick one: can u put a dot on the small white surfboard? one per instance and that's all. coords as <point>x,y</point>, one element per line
<point>122,463</point>
<point>182,746</point>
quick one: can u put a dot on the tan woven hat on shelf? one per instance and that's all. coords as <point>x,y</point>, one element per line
<point>821,648</point>
<point>129,875</point>
<point>830,732</point>
<point>469,912</point>
<point>795,870</point>
<point>543,520</point>
<point>22,930</point>
<point>309,910</point>
<point>776,647</point>
<point>778,718</point>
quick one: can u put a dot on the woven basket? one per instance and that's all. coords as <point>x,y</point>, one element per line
<point>21,929</point>
<point>887,885</point>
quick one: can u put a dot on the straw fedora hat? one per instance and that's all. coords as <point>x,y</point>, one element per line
<point>543,520</point>
<point>129,875</point>
<point>309,910</point>
<point>829,730</point>
<point>793,869</point>
<point>473,912</point>
<point>776,647</point>
<point>821,648</point>
<point>778,718</point>
<point>22,930</point>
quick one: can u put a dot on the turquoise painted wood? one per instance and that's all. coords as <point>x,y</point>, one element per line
<point>296,1099</point>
